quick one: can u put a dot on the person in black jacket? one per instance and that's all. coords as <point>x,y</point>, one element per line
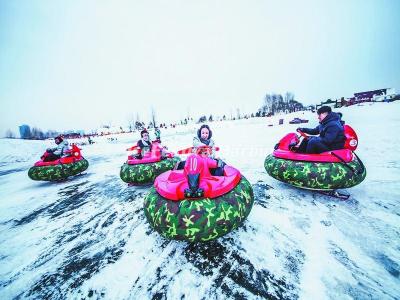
<point>144,144</point>
<point>330,130</point>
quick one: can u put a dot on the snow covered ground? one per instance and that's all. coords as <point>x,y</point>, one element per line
<point>87,238</point>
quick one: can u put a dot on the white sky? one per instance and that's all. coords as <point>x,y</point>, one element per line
<point>79,64</point>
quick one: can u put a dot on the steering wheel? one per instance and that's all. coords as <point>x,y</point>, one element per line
<point>303,134</point>
<point>204,150</point>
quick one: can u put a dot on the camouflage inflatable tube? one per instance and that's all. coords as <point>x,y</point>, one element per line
<point>57,172</point>
<point>199,220</point>
<point>146,173</point>
<point>316,175</point>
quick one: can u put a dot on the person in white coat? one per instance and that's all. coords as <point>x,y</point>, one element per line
<point>60,151</point>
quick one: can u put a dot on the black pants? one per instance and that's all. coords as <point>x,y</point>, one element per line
<point>51,157</point>
<point>217,171</point>
<point>181,165</point>
<point>316,146</point>
<point>302,147</point>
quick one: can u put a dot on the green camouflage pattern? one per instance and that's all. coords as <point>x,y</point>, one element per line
<point>199,220</point>
<point>146,173</point>
<point>57,172</point>
<point>315,175</point>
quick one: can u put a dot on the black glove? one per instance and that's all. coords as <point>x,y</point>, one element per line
<point>220,163</point>
<point>49,150</point>
<point>291,145</point>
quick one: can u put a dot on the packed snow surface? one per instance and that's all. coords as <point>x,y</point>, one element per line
<point>88,238</point>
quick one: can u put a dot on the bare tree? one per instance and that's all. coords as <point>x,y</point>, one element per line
<point>267,106</point>
<point>188,114</point>
<point>37,133</point>
<point>51,134</point>
<point>131,121</point>
<point>153,117</point>
<point>10,134</point>
<point>289,102</point>
<point>238,113</point>
<point>138,124</point>
<point>274,103</point>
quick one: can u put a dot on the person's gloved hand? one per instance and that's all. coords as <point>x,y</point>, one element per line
<point>292,145</point>
<point>300,129</point>
<point>49,150</point>
<point>220,163</point>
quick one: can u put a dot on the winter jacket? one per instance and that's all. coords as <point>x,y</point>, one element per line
<point>61,148</point>
<point>144,146</point>
<point>157,133</point>
<point>198,143</point>
<point>330,130</point>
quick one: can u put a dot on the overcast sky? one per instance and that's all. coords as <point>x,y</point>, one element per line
<point>79,64</point>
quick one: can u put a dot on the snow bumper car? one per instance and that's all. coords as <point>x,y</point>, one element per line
<point>193,205</point>
<point>327,171</point>
<point>144,170</point>
<point>59,169</point>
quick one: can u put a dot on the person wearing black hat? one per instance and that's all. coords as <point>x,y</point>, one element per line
<point>330,130</point>
<point>144,144</point>
<point>59,151</point>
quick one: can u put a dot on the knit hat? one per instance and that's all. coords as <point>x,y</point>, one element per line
<point>58,139</point>
<point>143,132</point>
<point>324,109</point>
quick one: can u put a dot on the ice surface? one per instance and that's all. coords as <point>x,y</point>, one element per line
<point>88,238</point>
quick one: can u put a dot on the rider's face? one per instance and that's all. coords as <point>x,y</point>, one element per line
<point>322,116</point>
<point>145,136</point>
<point>204,133</point>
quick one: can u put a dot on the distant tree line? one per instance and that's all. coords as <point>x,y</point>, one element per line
<point>272,104</point>
<point>33,133</point>
<point>276,103</point>
<point>10,134</point>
